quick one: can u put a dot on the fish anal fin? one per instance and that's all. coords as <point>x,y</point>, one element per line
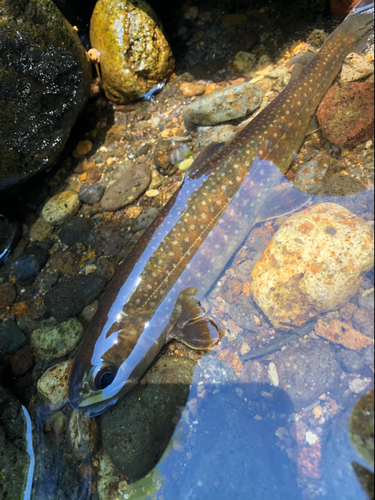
<point>193,328</point>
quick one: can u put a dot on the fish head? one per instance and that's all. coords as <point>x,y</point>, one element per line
<point>110,362</point>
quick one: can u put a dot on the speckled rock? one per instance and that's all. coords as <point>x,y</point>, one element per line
<point>223,105</point>
<point>346,113</point>
<point>315,263</point>
<point>309,176</point>
<point>357,67</point>
<point>40,230</point>
<point>306,371</point>
<point>243,62</point>
<point>53,384</point>
<point>108,478</point>
<point>68,297</point>
<point>61,207</point>
<point>52,340</point>
<point>91,193</point>
<point>83,435</point>
<point>363,321</point>
<point>340,333</point>
<point>137,430</point>
<point>134,53</point>
<point>127,189</point>
<point>220,133</point>
<point>8,295</point>
<point>45,83</point>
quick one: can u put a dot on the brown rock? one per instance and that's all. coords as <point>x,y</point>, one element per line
<point>21,361</point>
<point>347,310</point>
<point>7,295</point>
<point>363,320</point>
<point>191,89</point>
<point>231,289</point>
<point>346,114</point>
<point>21,308</point>
<point>340,333</point>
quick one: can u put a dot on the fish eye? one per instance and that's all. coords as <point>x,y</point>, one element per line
<point>105,377</point>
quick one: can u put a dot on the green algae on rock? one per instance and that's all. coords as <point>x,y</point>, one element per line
<point>45,81</point>
<point>362,427</point>
<point>315,263</point>
<point>134,52</point>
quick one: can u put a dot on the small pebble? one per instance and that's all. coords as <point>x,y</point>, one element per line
<point>152,193</point>
<point>191,13</point>
<point>82,148</point>
<point>359,385</point>
<point>53,384</point>
<point>21,361</point>
<point>191,89</point>
<point>40,230</point>
<point>273,375</point>
<point>185,165</point>
<point>91,193</point>
<point>61,207</point>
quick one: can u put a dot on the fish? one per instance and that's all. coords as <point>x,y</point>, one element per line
<point>160,292</point>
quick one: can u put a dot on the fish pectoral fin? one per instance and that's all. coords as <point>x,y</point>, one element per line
<point>192,327</point>
<point>285,199</point>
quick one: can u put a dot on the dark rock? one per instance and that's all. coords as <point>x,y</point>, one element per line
<point>70,296</point>
<point>351,361</point>
<point>77,230</point>
<point>11,337</point>
<point>363,321</point>
<point>137,431</point>
<point>66,262</point>
<point>307,371</point>
<point>21,361</point>
<point>45,83</point>
<point>143,150</point>
<point>28,266</point>
<point>14,459</point>
<point>9,233</point>
<point>91,193</point>
<point>7,295</point>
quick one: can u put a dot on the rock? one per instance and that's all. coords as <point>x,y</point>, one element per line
<point>191,13</point>
<point>309,176</point>
<point>77,230</point>
<point>61,207</point>
<point>14,459</point>
<point>220,133</point>
<point>363,320</point>
<point>223,105</point>
<point>9,234</point>
<point>351,361</point>
<point>340,333</point>
<point>367,301</point>
<point>83,434</point>
<point>191,89</point>
<point>137,430</point>
<point>109,478</point>
<point>132,184</point>
<point>29,265</point>
<point>45,83</point>
<point>53,384</point>
<point>306,371</point>
<point>165,157</point>
<point>346,114</point>
<point>359,385</point>
<point>40,230</point>
<point>52,340</point>
<point>315,263</point>
<point>145,219</point>
<point>243,62</point>
<point>11,337</point>
<point>8,295</point>
<point>214,371</point>
<point>68,297</point>
<point>21,361</point>
<point>253,372</point>
<point>135,62</point>
<point>185,165</point>
<point>357,67</point>
<point>362,427</point>
<point>82,149</point>
<point>91,193</point>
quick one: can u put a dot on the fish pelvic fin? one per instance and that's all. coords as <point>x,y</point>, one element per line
<point>193,328</point>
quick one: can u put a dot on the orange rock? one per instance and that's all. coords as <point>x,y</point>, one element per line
<point>210,88</point>
<point>191,89</point>
<point>317,411</point>
<point>20,308</point>
<point>246,289</point>
<point>340,333</point>
<point>233,360</point>
<point>309,459</point>
<point>133,212</point>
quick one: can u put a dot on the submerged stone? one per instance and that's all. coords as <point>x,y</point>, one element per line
<point>315,263</point>
<point>134,53</point>
<point>45,81</point>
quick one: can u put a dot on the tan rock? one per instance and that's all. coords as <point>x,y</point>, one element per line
<point>191,89</point>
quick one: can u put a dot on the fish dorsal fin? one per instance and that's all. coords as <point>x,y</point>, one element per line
<point>192,327</point>
<point>284,199</point>
<point>200,164</point>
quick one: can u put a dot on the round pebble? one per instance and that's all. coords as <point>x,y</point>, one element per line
<point>21,361</point>
<point>53,384</point>
<point>61,207</point>
<point>91,193</point>
<point>52,340</point>
<point>82,148</point>
<point>40,230</point>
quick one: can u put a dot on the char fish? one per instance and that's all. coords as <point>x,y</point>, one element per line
<point>158,292</point>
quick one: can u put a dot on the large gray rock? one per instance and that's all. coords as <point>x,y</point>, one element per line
<point>44,79</point>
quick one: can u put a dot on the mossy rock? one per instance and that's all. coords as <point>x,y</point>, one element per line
<point>45,80</point>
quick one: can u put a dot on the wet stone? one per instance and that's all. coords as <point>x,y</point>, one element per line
<point>68,297</point>
<point>40,230</point>
<point>220,133</point>
<point>61,207</point>
<point>91,193</point>
<point>367,301</point>
<point>21,361</point>
<point>53,384</point>
<point>307,371</point>
<point>126,190</point>
<point>7,295</point>
<point>145,219</point>
<point>363,321</point>
<point>29,265</point>
<point>309,177</point>
<point>351,361</point>
<point>52,340</point>
<point>11,337</point>
<point>77,230</point>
